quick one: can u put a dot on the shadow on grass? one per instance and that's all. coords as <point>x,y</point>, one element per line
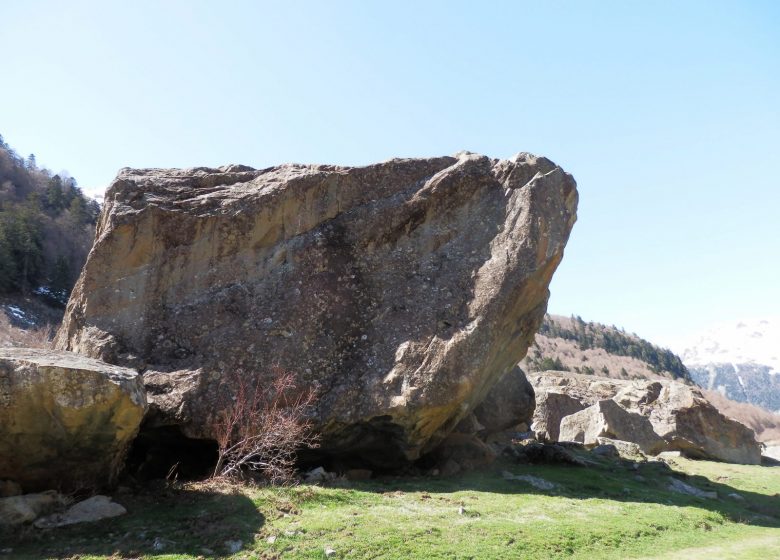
<point>622,481</point>
<point>160,520</point>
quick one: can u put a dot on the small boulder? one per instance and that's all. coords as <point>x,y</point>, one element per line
<point>608,419</point>
<point>89,510</point>
<point>677,485</point>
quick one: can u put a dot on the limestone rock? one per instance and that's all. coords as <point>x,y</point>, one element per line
<point>89,510</point>
<point>401,291</point>
<point>679,413</point>
<point>65,420</point>
<point>510,402</point>
<point>551,408</point>
<point>608,419</point>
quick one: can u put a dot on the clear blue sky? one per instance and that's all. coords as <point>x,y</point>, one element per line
<point>667,114</point>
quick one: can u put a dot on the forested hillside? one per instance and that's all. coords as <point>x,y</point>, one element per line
<point>572,344</point>
<point>46,228</point>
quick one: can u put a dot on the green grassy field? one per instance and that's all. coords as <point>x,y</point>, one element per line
<point>608,511</point>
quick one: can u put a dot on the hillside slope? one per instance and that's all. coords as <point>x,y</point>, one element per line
<point>571,344</point>
<point>46,228</point>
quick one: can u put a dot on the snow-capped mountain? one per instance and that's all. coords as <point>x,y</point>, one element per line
<point>741,360</point>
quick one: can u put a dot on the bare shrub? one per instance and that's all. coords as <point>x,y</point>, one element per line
<point>39,337</point>
<point>261,424</point>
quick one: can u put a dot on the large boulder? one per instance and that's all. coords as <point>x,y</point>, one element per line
<point>607,419</point>
<point>691,424</point>
<point>401,291</point>
<point>551,408</point>
<point>66,421</point>
<point>678,412</point>
<point>510,402</point>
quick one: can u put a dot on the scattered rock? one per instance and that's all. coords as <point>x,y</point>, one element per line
<point>535,481</point>
<point>607,419</point>
<point>16,510</point>
<point>405,289</point>
<point>677,485</point>
<point>89,510</point>
<point>735,496</point>
<point>233,546</point>
<point>678,413</point>
<point>66,421</point>
<point>329,552</point>
<point>271,539</point>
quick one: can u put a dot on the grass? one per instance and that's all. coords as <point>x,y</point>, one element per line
<point>612,510</point>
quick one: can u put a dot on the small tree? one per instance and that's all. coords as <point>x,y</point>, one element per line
<point>261,425</point>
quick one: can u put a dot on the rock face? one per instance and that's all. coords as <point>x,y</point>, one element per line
<point>510,402</point>
<point>401,291</point>
<point>678,413</point>
<point>65,420</point>
<point>607,419</point>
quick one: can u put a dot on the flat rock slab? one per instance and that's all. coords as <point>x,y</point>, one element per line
<point>87,511</point>
<point>401,291</point>
<point>65,420</point>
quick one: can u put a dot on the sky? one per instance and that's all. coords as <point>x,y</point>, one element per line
<point>667,113</point>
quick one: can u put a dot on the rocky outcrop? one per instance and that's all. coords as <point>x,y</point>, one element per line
<point>607,419</point>
<point>510,402</point>
<point>401,291</point>
<point>65,420</point>
<point>678,413</point>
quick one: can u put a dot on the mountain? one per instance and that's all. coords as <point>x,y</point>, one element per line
<point>740,360</point>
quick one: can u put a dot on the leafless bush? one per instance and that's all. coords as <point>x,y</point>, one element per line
<point>39,337</point>
<point>261,424</point>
